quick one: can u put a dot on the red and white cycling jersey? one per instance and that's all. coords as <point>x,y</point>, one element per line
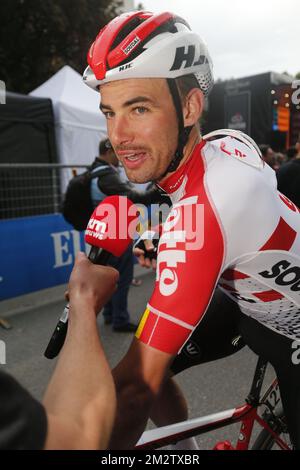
<point>244,238</point>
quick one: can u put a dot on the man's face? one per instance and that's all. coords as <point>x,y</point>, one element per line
<point>141,124</point>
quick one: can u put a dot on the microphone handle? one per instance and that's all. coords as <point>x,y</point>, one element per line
<point>96,256</point>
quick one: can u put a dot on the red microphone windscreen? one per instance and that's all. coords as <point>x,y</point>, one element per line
<point>112,225</point>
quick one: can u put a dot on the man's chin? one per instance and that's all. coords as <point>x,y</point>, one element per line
<point>136,178</point>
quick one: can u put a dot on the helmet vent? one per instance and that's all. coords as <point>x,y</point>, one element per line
<point>130,26</point>
<point>205,81</point>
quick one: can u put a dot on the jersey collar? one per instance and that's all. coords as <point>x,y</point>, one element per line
<point>173,182</point>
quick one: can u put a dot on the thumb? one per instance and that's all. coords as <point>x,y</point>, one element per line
<point>149,245</point>
<point>80,256</point>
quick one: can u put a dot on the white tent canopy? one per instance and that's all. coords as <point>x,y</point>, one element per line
<point>79,123</point>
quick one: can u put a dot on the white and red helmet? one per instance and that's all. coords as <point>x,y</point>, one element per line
<point>141,44</point>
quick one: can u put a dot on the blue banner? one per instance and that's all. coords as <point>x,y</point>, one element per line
<point>36,253</point>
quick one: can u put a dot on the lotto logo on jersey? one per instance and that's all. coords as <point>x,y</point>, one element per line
<point>183,231</point>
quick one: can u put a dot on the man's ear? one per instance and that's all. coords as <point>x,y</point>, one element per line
<point>193,107</point>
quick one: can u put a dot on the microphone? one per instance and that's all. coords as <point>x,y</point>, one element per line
<point>110,231</point>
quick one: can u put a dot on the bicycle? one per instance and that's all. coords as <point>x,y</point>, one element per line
<point>272,421</point>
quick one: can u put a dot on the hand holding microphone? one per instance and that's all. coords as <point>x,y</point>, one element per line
<point>145,248</point>
<point>109,232</point>
<point>90,287</point>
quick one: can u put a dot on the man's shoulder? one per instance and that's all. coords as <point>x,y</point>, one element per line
<point>236,180</point>
<point>226,146</point>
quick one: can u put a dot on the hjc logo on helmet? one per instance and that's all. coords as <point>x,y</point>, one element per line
<point>188,57</point>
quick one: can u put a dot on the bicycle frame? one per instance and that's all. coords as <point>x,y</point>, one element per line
<point>246,414</point>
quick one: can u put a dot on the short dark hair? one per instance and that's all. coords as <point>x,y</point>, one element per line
<point>291,152</point>
<point>264,149</point>
<point>186,84</point>
<point>104,146</point>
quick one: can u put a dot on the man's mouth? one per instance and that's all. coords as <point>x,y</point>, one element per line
<point>132,159</point>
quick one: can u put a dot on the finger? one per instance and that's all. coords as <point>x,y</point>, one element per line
<point>142,262</point>
<point>149,245</point>
<point>67,297</point>
<point>138,252</point>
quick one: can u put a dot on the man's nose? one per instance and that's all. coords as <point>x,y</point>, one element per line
<point>120,131</point>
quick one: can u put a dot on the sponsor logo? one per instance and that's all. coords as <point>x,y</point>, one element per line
<point>187,58</point>
<point>237,122</point>
<point>184,227</point>
<point>125,67</point>
<point>296,93</point>
<point>167,277</point>
<point>192,349</point>
<point>178,182</point>
<point>237,152</point>
<point>284,275</point>
<point>131,45</point>
<point>236,341</point>
<point>96,229</point>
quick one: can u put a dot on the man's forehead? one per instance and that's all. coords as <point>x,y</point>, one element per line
<point>129,88</point>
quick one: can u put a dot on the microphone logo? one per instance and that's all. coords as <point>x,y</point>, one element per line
<point>96,229</point>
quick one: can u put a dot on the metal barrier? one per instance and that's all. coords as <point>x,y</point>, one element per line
<point>33,188</point>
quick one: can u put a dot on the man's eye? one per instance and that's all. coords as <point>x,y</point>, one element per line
<point>108,114</point>
<point>140,110</point>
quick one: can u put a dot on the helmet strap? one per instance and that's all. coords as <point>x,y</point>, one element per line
<point>183,132</point>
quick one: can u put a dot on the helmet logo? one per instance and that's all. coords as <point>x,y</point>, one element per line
<point>125,67</point>
<point>131,45</point>
<point>187,57</point>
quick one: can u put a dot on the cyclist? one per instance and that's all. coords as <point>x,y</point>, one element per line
<point>238,274</point>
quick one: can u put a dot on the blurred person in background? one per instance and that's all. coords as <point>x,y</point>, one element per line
<point>268,154</point>
<point>279,160</point>
<point>288,176</point>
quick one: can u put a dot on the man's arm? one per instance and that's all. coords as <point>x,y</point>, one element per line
<point>80,399</point>
<point>137,391</point>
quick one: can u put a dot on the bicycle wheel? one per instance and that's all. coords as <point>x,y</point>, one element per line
<point>265,441</point>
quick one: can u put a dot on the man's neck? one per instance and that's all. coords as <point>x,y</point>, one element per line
<point>194,139</point>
